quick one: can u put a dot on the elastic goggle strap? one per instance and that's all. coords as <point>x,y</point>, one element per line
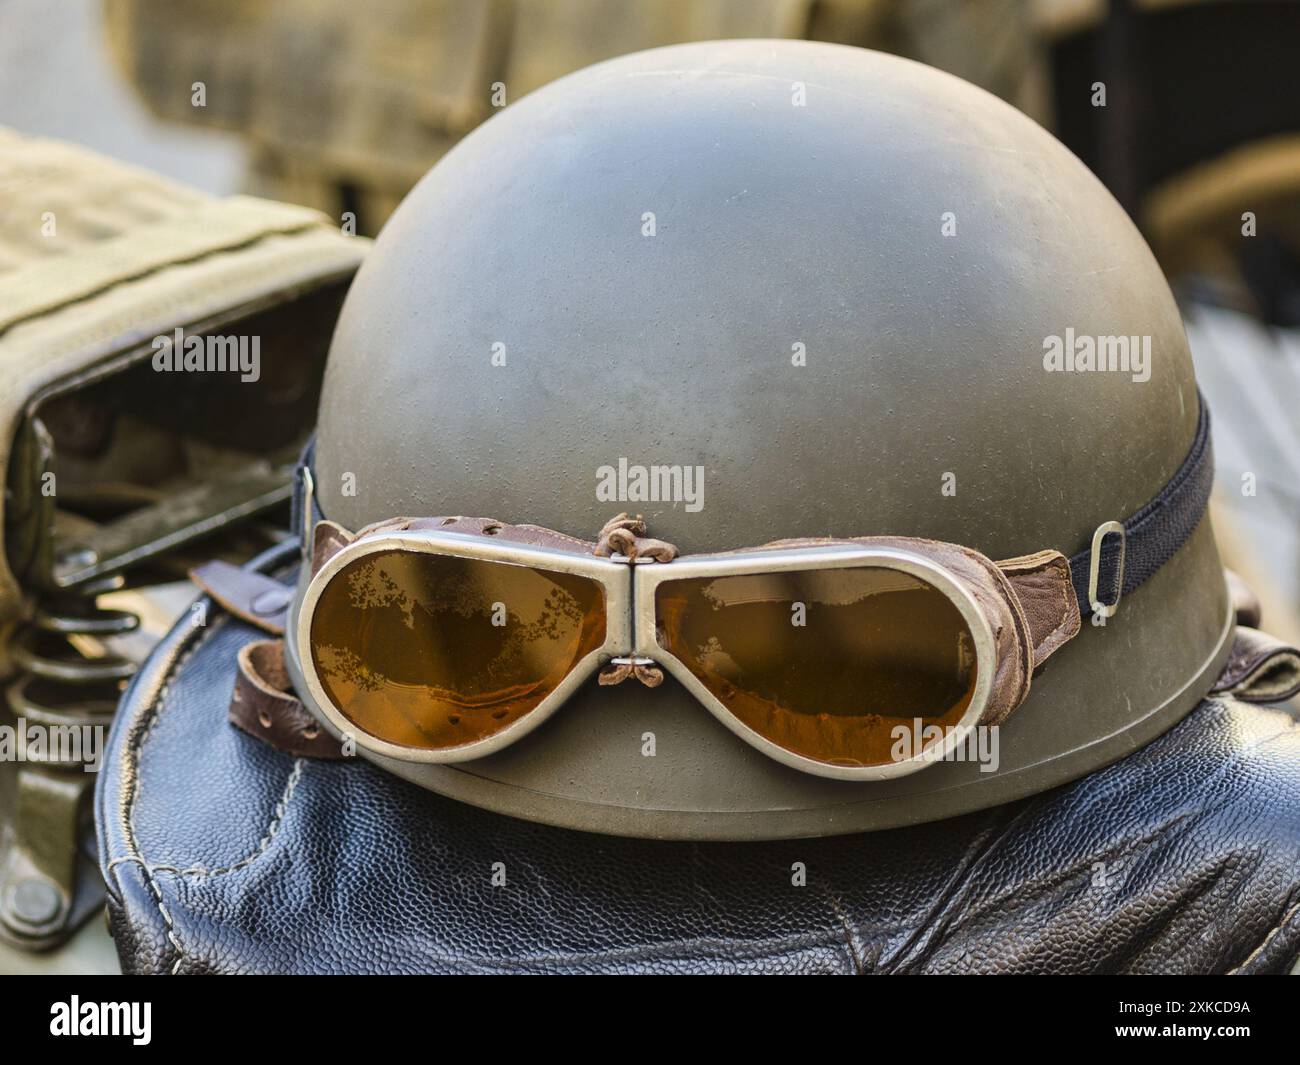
<point>1127,553</point>
<point>1123,556</point>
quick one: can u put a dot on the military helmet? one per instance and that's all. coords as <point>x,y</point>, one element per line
<point>850,293</point>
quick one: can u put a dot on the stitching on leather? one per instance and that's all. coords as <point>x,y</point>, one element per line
<point>1066,590</point>
<point>162,906</point>
<point>1025,634</point>
<point>277,819</point>
<point>277,813</point>
<point>134,750</point>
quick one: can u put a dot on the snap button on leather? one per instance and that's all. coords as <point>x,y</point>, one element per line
<point>272,601</point>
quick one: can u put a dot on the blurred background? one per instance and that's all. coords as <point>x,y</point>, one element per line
<point>1188,110</point>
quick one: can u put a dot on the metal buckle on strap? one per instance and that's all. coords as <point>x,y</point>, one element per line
<point>1094,568</point>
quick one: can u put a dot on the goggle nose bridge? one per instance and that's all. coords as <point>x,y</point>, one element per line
<point>621,667</point>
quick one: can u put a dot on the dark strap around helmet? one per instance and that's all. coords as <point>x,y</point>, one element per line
<point>1152,534</point>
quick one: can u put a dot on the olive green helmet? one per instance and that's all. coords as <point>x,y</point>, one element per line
<point>835,281</point>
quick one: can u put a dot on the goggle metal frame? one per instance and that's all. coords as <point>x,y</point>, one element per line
<point>630,588</point>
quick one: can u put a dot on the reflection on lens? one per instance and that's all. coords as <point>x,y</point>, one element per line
<point>826,663</point>
<point>434,651</point>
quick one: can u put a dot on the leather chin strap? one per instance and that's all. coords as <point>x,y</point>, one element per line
<point>263,702</point>
<point>263,705</point>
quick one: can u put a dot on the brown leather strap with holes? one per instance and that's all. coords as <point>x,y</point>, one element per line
<point>264,706</point>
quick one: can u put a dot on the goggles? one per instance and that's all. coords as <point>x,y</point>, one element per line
<point>442,640</point>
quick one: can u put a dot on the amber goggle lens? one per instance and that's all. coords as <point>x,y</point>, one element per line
<point>836,665</point>
<point>435,651</point>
